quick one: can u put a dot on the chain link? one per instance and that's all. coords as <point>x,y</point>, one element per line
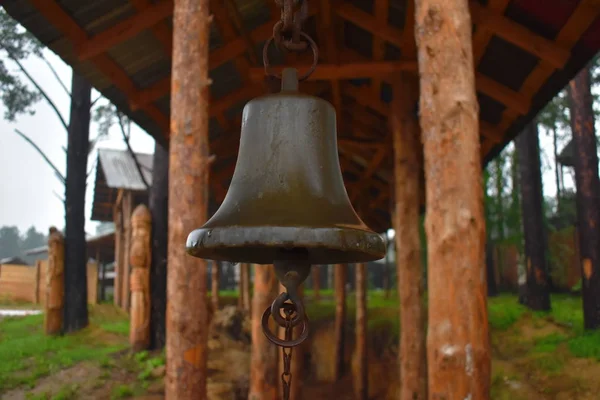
<point>286,376</point>
<point>287,32</point>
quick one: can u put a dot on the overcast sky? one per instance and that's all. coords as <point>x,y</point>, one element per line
<point>28,185</point>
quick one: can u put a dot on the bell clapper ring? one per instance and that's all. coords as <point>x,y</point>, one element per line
<point>291,273</point>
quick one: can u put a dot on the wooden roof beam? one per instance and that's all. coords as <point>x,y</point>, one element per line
<point>365,179</point>
<point>381,14</point>
<point>161,30</point>
<point>483,34</point>
<point>329,34</point>
<point>327,72</point>
<point>124,30</point>
<point>520,36</point>
<point>61,21</point>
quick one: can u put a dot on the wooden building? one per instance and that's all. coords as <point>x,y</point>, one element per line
<point>118,188</point>
<point>520,53</point>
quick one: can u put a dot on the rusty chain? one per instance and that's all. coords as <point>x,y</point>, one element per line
<point>288,34</point>
<point>286,375</point>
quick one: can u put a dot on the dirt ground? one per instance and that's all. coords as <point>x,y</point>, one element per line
<point>531,360</point>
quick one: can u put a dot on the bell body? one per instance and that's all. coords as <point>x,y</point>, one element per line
<point>287,191</point>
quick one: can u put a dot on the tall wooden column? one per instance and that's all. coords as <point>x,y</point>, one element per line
<point>407,168</point>
<point>127,210</point>
<point>340,277</point>
<point>263,360</point>
<point>119,246</point>
<point>187,311</point>
<point>458,348</point>
<point>361,376</point>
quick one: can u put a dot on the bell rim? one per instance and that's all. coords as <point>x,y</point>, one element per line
<point>333,245</point>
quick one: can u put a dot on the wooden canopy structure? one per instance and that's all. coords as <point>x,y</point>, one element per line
<point>525,51</point>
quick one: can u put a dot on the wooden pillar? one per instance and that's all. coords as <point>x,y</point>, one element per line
<point>588,195</point>
<point>316,282</point>
<point>127,209</point>
<point>139,259</point>
<point>297,362</point>
<point>340,278</point>
<point>245,286</point>
<point>407,177</point>
<point>263,360</point>
<point>458,348</point>
<point>187,308</point>
<point>54,285</point>
<point>119,243</point>
<point>214,289</point>
<point>361,378</point>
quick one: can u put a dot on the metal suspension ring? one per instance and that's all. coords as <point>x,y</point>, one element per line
<point>279,342</point>
<point>313,47</point>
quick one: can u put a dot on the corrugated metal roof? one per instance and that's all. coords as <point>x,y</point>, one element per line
<point>120,170</point>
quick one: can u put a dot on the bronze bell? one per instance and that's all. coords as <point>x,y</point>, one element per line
<point>287,191</point>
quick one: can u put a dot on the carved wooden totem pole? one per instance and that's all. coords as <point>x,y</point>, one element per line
<point>140,257</point>
<point>55,284</point>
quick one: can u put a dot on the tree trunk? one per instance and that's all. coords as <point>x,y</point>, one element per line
<point>159,208</point>
<point>556,169</point>
<point>340,278</point>
<point>499,180</point>
<point>187,311</point>
<point>316,281</point>
<point>244,299</point>
<point>538,295</point>
<point>361,379</point>
<point>75,308</point>
<point>588,195</point>
<point>127,209</point>
<point>491,270</point>
<point>407,160</point>
<point>458,347</point>
<point>214,289</point>
<point>264,356</point>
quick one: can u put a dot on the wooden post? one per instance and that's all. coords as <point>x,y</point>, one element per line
<point>187,308</point>
<point>263,360</point>
<point>214,289</point>
<point>361,379</point>
<point>588,194</point>
<point>407,167</point>
<point>340,277</point>
<point>316,281</point>
<point>139,259</point>
<point>297,363</point>
<point>55,285</point>
<point>118,220</point>
<point>458,348</point>
<point>127,232</point>
<point>245,282</point>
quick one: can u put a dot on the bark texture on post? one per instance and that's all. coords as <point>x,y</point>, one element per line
<point>361,379</point>
<point>458,348</point>
<point>588,194</point>
<point>75,305</point>
<point>55,285</point>
<point>140,259</point>
<point>187,308</point>
<point>407,160</point>
<point>340,272</point>
<point>263,360</point>
<point>214,287</point>
<point>527,144</point>
<point>159,207</point>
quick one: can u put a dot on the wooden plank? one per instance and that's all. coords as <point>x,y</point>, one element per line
<point>124,30</point>
<point>161,31</point>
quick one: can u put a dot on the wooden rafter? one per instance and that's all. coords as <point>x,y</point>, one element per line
<point>65,24</point>
<point>144,19</point>
<point>381,14</point>
<point>161,30</point>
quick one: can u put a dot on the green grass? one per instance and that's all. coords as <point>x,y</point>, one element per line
<point>504,311</point>
<point>28,354</point>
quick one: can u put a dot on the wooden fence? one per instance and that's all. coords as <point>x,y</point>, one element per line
<point>28,284</point>
<point>563,260</point>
